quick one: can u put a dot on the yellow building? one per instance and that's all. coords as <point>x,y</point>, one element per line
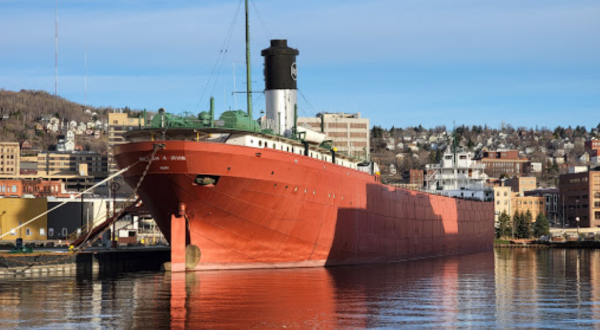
<point>16,211</point>
<point>522,184</point>
<point>9,158</point>
<point>78,163</point>
<point>502,201</point>
<point>530,203</point>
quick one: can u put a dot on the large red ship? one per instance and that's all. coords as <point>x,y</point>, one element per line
<point>232,193</point>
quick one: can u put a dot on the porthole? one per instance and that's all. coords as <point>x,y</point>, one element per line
<point>260,143</point>
<point>305,190</point>
<point>314,192</point>
<point>296,189</point>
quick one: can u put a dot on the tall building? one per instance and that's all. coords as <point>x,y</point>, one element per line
<point>502,201</point>
<point>580,195</point>
<point>118,124</point>
<point>9,158</point>
<point>349,132</point>
<point>498,163</point>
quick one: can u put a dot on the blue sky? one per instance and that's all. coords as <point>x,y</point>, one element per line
<point>398,62</point>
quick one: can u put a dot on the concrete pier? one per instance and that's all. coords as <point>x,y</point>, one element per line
<point>88,262</point>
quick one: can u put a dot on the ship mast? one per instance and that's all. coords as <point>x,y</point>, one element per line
<point>248,72</point>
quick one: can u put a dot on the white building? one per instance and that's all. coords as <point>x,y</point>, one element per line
<point>458,176</point>
<point>536,167</point>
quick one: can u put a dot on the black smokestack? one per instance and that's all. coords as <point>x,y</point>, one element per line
<point>280,65</point>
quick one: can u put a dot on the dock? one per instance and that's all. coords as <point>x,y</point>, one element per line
<point>91,261</point>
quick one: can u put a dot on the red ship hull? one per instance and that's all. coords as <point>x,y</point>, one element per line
<point>273,209</point>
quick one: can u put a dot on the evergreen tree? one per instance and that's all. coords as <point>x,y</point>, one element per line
<point>516,223</point>
<point>522,222</point>
<point>525,230</point>
<point>505,225</point>
<point>541,226</point>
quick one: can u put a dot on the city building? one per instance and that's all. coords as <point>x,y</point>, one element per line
<point>32,188</point>
<point>551,203</point>
<point>118,124</point>
<point>502,163</point>
<point>82,163</point>
<point>28,165</point>
<point>9,158</point>
<point>502,201</point>
<point>349,132</point>
<point>16,211</point>
<point>533,167</point>
<point>533,204</point>
<point>458,175</point>
<point>580,198</point>
<point>592,147</point>
<point>522,184</point>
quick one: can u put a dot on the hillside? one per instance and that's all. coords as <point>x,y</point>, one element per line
<point>414,147</point>
<point>21,111</point>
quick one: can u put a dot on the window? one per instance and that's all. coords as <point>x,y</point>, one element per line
<point>28,232</point>
<point>14,188</point>
<point>64,232</point>
<point>50,232</point>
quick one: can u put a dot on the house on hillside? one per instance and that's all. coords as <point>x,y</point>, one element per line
<point>26,145</point>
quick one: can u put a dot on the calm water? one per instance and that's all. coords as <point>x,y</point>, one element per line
<point>503,289</point>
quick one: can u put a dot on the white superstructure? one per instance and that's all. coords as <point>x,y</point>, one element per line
<point>458,175</point>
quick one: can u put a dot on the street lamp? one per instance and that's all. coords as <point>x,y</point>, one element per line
<point>577,214</point>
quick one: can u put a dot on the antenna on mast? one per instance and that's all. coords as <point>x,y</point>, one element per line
<point>56,50</point>
<point>248,72</point>
<point>85,79</point>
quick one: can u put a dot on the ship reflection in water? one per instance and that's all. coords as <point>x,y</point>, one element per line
<point>501,289</point>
